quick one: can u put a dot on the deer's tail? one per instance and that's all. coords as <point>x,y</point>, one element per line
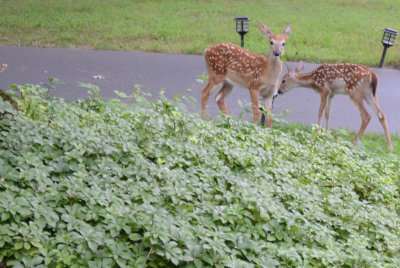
<point>374,83</point>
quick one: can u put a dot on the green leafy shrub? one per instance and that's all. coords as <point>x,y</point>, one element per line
<point>118,184</point>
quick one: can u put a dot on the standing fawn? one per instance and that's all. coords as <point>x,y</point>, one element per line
<point>229,65</point>
<point>357,81</point>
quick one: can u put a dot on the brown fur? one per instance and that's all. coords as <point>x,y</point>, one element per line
<point>229,65</point>
<point>356,80</point>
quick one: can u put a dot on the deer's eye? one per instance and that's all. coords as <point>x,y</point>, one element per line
<point>271,43</point>
<point>283,44</point>
<point>283,81</point>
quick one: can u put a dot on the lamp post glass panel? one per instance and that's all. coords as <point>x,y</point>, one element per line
<point>242,27</point>
<point>389,35</point>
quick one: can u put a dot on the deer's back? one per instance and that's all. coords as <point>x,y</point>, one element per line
<point>224,57</point>
<point>351,74</point>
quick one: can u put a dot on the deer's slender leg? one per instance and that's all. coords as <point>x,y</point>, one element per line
<point>328,110</point>
<point>205,94</point>
<point>324,96</point>
<point>222,94</point>
<point>267,102</point>
<point>254,101</point>
<point>365,117</point>
<point>374,103</point>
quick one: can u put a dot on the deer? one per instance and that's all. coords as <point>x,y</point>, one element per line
<point>357,81</point>
<point>229,65</point>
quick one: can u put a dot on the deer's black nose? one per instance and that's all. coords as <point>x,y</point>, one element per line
<point>276,53</point>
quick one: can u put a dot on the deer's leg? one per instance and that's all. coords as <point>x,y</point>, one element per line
<point>328,110</point>
<point>222,94</point>
<point>254,101</point>
<point>373,102</point>
<point>205,94</point>
<point>267,102</point>
<point>324,97</point>
<point>365,117</point>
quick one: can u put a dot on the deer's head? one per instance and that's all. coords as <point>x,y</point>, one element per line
<point>277,41</point>
<point>289,80</point>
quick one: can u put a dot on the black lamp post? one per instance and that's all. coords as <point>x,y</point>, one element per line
<point>242,27</point>
<point>389,35</point>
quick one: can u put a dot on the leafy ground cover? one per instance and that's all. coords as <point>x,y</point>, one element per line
<point>322,31</point>
<point>138,183</point>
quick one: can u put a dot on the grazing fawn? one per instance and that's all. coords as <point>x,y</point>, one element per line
<point>357,81</point>
<point>229,65</point>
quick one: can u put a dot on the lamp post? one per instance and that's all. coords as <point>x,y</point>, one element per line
<point>389,35</point>
<point>242,27</point>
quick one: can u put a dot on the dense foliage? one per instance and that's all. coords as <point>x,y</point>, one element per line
<point>140,183</point>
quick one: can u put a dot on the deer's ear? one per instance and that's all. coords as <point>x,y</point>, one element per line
<point>287,30</point>
<point>265,30</point>
<point>288,68</point>
<point>300,67</point>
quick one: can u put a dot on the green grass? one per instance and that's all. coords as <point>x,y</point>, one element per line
<point>372,143</point>
<point>322,31</point>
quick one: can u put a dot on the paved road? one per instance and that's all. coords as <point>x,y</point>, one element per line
<point>177,73</point>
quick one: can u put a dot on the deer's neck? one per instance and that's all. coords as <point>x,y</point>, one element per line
<point>273,67</point>
<point>305,80</point>
<point>272,61</point>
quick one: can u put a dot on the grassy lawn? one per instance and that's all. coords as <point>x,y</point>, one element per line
<point>322,31</point>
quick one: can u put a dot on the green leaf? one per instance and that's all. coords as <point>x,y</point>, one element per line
<point>27,246</point>
<point>18,245</point>
<point>121,94</point>
<point>135,237</point>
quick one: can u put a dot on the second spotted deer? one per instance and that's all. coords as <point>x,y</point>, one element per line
<point>229,65</point>
<point>357,81</point>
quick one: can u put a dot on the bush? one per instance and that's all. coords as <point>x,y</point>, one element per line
<point>105,184</point>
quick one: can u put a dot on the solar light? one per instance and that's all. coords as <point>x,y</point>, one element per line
<point>389,35</point>
<point>242,27</point>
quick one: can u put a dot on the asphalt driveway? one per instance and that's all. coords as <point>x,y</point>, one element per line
<point>112,70</point>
